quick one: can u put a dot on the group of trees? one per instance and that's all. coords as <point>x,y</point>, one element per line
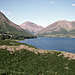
<point>10,36</point>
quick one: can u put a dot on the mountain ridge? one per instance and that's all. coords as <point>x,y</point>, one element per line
<point>3,18</point>
<point>56,27</point>
<point>9,28</point>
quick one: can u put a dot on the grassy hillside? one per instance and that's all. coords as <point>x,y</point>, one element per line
<point>13,32</point>
<point>25,62</point>
<point>62,32</point>
<point>72,32</point>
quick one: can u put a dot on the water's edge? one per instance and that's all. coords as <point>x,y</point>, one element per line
<point>52,43</point>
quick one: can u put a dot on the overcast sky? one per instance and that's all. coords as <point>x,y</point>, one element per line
<point>41,12</point>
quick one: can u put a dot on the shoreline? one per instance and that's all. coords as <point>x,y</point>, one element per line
<point>27,57</point>
<point>17,46</point>
<point>55,37</point>
<point>62,50</point>
<point>36,51</point>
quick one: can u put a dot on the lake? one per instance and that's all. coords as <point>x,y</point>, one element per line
<point>52,43</point>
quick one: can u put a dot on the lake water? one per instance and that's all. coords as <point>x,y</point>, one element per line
<point>53,43</point>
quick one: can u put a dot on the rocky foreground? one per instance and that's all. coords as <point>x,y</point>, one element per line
<point>35,50</point>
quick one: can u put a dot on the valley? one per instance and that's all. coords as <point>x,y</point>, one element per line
<point>9,30</point>
<point>22,59</point>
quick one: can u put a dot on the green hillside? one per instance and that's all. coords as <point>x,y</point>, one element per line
<point>72,32</point>
<point>25,62</point>
<point>61,28</point>
<point>62,32</point>
<point>12,32</point>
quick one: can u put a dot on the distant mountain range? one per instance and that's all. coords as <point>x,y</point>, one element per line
<point>59,28</point>
<point>31,27</point>
<point>10,28</point>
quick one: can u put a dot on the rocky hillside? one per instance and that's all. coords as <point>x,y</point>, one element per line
<point>59,27</point>
<point>31,27</point>
<point>8,27</point>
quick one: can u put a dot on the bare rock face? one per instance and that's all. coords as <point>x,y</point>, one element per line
<point>67,25</point>
<point>31,27</point>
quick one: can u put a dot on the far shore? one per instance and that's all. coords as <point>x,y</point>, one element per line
<point>58,35</point>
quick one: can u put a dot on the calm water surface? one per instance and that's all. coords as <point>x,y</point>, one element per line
<point>50,43</point>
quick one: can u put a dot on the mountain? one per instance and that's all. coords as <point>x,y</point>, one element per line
<point>10,28</point>
<point>59,27</point>
<point>31,27</point>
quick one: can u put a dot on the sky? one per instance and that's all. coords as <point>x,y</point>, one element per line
<point>41,12</point>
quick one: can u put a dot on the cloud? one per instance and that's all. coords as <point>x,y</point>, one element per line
<point>1,10</point>
<point>52,2</point>
<point>8,13</point>
<point>4,12</point>
<point>73,4</point>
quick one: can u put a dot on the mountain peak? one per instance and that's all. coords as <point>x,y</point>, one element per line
<point>27,22</point>
<point>31,27</point>
<point>62,21</point>
<point>7,26</point>
<point>3,17</point>
<point>61,25</point>
<point>0,12</point>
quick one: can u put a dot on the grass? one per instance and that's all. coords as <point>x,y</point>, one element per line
<point>25,62</point>
<point>29,63</point>
<point>13,43</point>
<point>5,28</point>
<point>61,33</point>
